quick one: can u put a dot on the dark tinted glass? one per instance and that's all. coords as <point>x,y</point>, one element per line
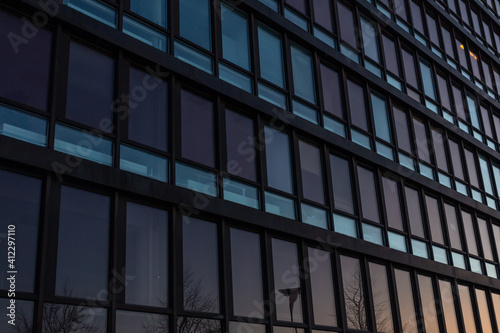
<point>409,66</point>
<point>470,235</point>
<point>432,26</point>
<point>241,152</point>
<point>342,188</point>
<point>323,13</point>
<point>278,159</point>
<point>20,206</point>
<point>392,203</point>
<point>453,228</point>
<point>456,159</point>
<point>402,130</point>
<point>434,219</point>
<point>486,121</point>
<point>323,297</point>
<point>271,56</point>
<point>414,212</point>
<point>368,194</point>
<point>147,257</point>
<point>443,92</point>
<point>194,25</point>
<point>303,73</point>
<point>400,8</point>
<point>467,312</point>
<point>82,270</point>
<point>312,174</point>
<point>428,300</point>
<point>201,266</point>
<point>370,40</point>
<point>235,39</point>
<point>246,268</point>
<point>357,105</point>
<point>140,322</point>
<point>197,325</point>
<point>391,60</point>
<point>25,64</point>
<point>147,122</point>
<point>381,298</point>
<point>287,281</point>
<point>448,42</point>
<point>450,316</point>
<point>331,91</point>
<point>459,102</point>
<point>471,167</point>
<point>416,15</point>
<point>405,299</point>
<point>354,297</point>
<point>421,140</point>
<point>90,86</point>
<point>71,318</point>
<point>346,23</point>
<point>485,238</point>
<point>24,316</point>
<point>197,129</point>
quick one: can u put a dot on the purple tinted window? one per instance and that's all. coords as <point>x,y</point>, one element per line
<point>240,145</point>
<point>409,65</point>
<point>323,13</point>
<point>346,23</point>
<point>331,91</point>
<point>24,68</point>
<point>357,105</point>
<point>197,129</point>
<point>391,59</point>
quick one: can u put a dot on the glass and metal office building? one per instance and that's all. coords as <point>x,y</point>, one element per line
<point>245,166</point>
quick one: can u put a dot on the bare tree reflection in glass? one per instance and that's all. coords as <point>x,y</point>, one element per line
<point>381,298</point>
<point>292,294</point>
<point>353,293</point>
<point>197,325</point>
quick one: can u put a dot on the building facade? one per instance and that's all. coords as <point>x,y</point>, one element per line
<point>244,166</point>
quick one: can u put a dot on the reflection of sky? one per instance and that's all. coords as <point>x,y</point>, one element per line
<point>405,298</point>
<point>136,322</point>
<point>448,306</point>
<point>246,273</point>
<point>322,288</point>
<point>200,256</point>
<point>465,301</point>
<point>353,293</point>
<point>381,299</point>
<point>428,303</point>
<point>286,275</point>
<point>484,311</point>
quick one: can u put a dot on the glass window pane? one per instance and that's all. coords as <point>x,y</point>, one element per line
<point>303,74</point>
<point>241,154</point>
<point>496,305</point>
<point>146,256</point>
<point>357,105</point>
<point>370,42</point>
<point>409,68</point>
<point>323,295</point>
<point>140,322</point>
<point>323,13</point>
<point>453,228</point>
<point>448,42</point>
<point>278,159</point>
<point>241,327</point>
<point>381,298</point>
<point>331,91</point>
<point>194,22</point>
<point>456,159</point>
<point>392,203</point>
<point>402,129</point>
<point>440,153</point>
<point>434,217</point>
<point>428,81</point>
<point>82,270</point>
<point>300,5</point>
<point>414,212</point>
<point>443,92</point>
<point>483,310</point>
<point>155,10</point>
<point>486,121</point>
<point>459,103</point>
<point>287,281</point>
<point>342,188</point>
<point>428,300</point>
<point>271,56</point>
<point>197,129</point>
<point>148,114</point>
<point>368,194</point>
<point>70,318</point>
<point>450,315</point>
<point>346,24</point>
<point>312,175</point>
<point>496,233</point>
<point>90,86</point>
<point>416,15</point>
<point>197,325</point>
<point>196,179</point>
<point>471,166</point>
<point>485,173</point>
<point>201,265</point>
<point>23,316</point>
<point>20,198</point>
<point>391,59</point>
<point>405,299</point>
<point>485,238</point>
<point>25,67</point>
<point>470,235</point>
<point>433,31</point>
<point>421,140</point>
<point>143,163</point>
<point>467,312</point>
<point>382,126</point>
<point>471,103</point>
<point>354,297</point>
<point>246,270</point>
<point>235,40</point>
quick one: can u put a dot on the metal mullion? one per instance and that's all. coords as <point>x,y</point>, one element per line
<point>417,300</point>
<point>369,301</point>
<point>224,271</point>
<point>176,272</point>
<point>382,206</point>
<point>216,34</point>
<point>296,168</point>
<point>393,291</point>
<point>328,186</point>
<point>116,234</point>
<point>175,133</point>
<point>267,256</point>
<point>288,71</point>
<point>356,195</point>
<point>339,286</point>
